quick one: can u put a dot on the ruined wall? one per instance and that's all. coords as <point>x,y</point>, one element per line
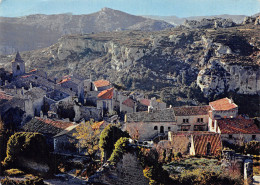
<point>127,171</point>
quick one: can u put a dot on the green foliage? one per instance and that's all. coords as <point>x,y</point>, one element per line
<point>108,138</point>
<point>26,145</point>
<point>252,147</point>
<point>13,172</point>
<point>121,147</point>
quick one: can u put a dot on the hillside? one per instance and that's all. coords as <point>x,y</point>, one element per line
<point>178,65</point>
<point>39,31</point>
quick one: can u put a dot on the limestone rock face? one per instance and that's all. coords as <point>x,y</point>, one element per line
<point>209,23</point>
<point>257,21</point>
<point>218,77</point>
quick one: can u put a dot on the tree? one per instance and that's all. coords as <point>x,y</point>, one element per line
<point>108,138</point>
<point>26,145</point>
<point>252,147</point>
<point>135,130</point>
<point>88,138</point>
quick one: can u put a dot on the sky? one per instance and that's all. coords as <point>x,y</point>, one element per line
<point>180,8</point>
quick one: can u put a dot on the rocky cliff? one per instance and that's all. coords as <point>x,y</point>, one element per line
<point>171,62</point>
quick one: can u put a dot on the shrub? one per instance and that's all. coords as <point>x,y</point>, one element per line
<point>13,172</point>
<point>33,181</point>
<point>108,138</point>
<point>121,147</point>
<point>25,145</point>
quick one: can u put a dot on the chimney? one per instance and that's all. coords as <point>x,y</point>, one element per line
<point>30,86</point>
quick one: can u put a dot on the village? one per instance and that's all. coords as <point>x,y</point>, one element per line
<point>32,102</point>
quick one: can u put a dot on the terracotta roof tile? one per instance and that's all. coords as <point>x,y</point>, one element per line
<point>201,141</point>
<point>223,104</point>
<point>191,110</point>
<point>106,94</point>
<point>145,102</point>
<point>129,103</point>
<point>237,125</point>
<point>64,80</point>
<point>46,126</point>
<point>101,83</point>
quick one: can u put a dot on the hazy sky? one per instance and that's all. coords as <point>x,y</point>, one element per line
<point>180,8</point>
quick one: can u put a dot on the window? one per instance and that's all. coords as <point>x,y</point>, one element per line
<point>18,67</point>
<point>212,124</point>
<point>155,128</point>
<point>185,120</point>
<point>200,120</point>
<point>230,136</point>
<point>253,137</point>
<point>169,128</point>
<point>71,89</point>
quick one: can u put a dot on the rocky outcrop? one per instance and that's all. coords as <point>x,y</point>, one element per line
<point>127,171</point>
<point>252,20</point>
<point>218,77</point>
<point>209,23</point>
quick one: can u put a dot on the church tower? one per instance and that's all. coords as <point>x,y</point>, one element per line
<point>18,65</point>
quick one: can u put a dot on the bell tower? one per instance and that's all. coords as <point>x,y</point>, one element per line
<point>18,65</point>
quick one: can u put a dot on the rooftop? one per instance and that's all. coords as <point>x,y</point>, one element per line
<point>201,141</point>
<point>238,125</point>
<point>145,102</point>
<point>101,83</point>
<point>191,110</point>
<point>129,103</point>
<point>223,104</point>
<point>46,126</point>
<point>106,94</point>
<point>165,115</point>
<point>97,125</point>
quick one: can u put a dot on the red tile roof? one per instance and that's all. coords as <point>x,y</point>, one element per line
<point>129,103</point>
<point>201,141</point>
<point>223,104</point>
<point>101,83</point>
<point>237,125</point>
<point>106,94</point>
<point>145,102</point>
<point>64,80</point>
<point>55,123</point>
<point>4,96</point>
<point>191,110</point>
<point>46,126</point>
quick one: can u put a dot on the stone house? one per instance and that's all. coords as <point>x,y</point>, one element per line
<point>223,108</point>
<point>192,118</point>
<point>236,130</point>
<point>101,85</point>
<point>65,142</point>
<point>151,124</point>
<point>107,100</point>
<point>75,85</point>
<point>48,127</point>
<point>128,106</point>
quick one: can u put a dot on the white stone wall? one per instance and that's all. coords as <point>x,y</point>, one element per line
<point>147,130</point>
<point>192,120</point>
<point>225,114</point>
